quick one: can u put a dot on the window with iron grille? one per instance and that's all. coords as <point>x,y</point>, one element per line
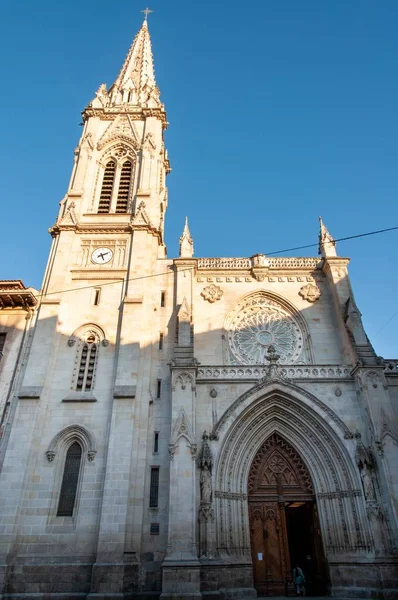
<point>2,343</point>
<point>155,527</point>
<point>104,205</point>
<point>70,480</point>
<point>124,187</point>
<point>154,490</point>
<point>87,363</point>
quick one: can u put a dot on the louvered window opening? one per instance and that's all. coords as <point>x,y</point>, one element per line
<point>2,342</point>
<point>154,490</point>
<point>155,529</point>
<point>70,479</point>
<point>107,187</point>
<point>86,368</point>
<point>124,188</point>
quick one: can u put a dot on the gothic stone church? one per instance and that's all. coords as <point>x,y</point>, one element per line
<point>189,427</point>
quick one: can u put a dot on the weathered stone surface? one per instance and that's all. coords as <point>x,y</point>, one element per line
<point>194,364</point>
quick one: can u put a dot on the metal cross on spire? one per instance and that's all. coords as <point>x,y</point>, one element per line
<point>146,12</point>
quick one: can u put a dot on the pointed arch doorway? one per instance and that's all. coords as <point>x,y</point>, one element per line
<point>284,527</point>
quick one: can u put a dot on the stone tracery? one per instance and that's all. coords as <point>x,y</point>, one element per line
<point>258,322</point>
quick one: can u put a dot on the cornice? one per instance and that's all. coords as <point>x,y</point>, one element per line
<point>24,299</point>
<point>98,274</point>
<point>134,113</point>
<point>89,228</point>
<point>182,263</point>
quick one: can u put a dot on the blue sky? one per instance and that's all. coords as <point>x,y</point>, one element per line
<point>279,111</point>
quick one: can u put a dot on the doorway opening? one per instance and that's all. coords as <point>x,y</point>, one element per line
<point>284,526</point>
<point>305,545</point>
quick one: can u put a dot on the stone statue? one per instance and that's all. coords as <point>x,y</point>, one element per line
<point>205,485</point>
<point>367,484</point>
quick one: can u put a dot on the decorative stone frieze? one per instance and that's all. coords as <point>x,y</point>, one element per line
<point>272,263</point>
<point>256,372</point>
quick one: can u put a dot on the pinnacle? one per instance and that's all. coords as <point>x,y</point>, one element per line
<point>136,83</point>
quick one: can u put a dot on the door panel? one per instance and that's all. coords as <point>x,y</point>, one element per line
<point>278,480</point>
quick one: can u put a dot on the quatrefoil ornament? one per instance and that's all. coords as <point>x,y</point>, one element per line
<point>212,293</point>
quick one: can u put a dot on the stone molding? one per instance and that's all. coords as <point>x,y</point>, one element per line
<point>67,436</point>
<point>256,372</point>
<point>323,450</point>
<point>134,113</point>
<point>124,391</point>
<point>30,393</point>
<point>80,397</point>
<point>286,395</point>
<point>248,263</point>
<point>182,429</point>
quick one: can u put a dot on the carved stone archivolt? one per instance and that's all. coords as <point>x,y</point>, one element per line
<point>258,322</point>
<point>309,434</point>
<point>66,437</point>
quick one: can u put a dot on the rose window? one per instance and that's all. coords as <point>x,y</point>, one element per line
<point>259,323</point>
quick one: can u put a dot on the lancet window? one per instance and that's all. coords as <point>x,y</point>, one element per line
<point>118,168</point>
<point>88,362</point>
<point>108,181</point>
<point>124,187</point>
<point>88,340</point>
<point>70,479</point>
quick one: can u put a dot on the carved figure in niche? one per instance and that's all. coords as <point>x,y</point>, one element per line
<point>367,483</point>
<point>205,485</point>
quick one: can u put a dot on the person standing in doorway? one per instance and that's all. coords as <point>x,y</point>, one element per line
<point>299,580</point>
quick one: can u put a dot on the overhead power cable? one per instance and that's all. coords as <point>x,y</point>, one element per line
<point>350,237</point>
<point>343,239</point>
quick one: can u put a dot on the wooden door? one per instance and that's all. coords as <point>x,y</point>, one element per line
<point>277,478</point>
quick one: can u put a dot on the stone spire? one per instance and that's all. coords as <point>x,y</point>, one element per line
<point>327,245</point>
<point>186,242</point>
<point>136,83</point>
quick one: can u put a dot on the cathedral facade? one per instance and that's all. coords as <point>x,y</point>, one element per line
<point>193,426</point>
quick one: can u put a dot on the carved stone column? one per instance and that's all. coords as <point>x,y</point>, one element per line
<point>181,567</point>
<point>377,410</point>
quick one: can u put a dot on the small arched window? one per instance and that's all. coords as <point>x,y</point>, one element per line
<point>88,361</point>
<point>124,187</point>
<point>70,480</point>
<point>107,187</point>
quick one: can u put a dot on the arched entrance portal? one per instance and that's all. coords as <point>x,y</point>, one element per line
<point>284,528</point>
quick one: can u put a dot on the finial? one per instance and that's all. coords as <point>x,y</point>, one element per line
<point>186,242</point>
<point>146,12</point>
<point>327,245</point>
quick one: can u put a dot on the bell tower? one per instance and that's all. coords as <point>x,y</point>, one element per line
<point>96,359</point>
<point>118,181</point>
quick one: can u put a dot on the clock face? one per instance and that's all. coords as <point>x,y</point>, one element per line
<point>101,256</point>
